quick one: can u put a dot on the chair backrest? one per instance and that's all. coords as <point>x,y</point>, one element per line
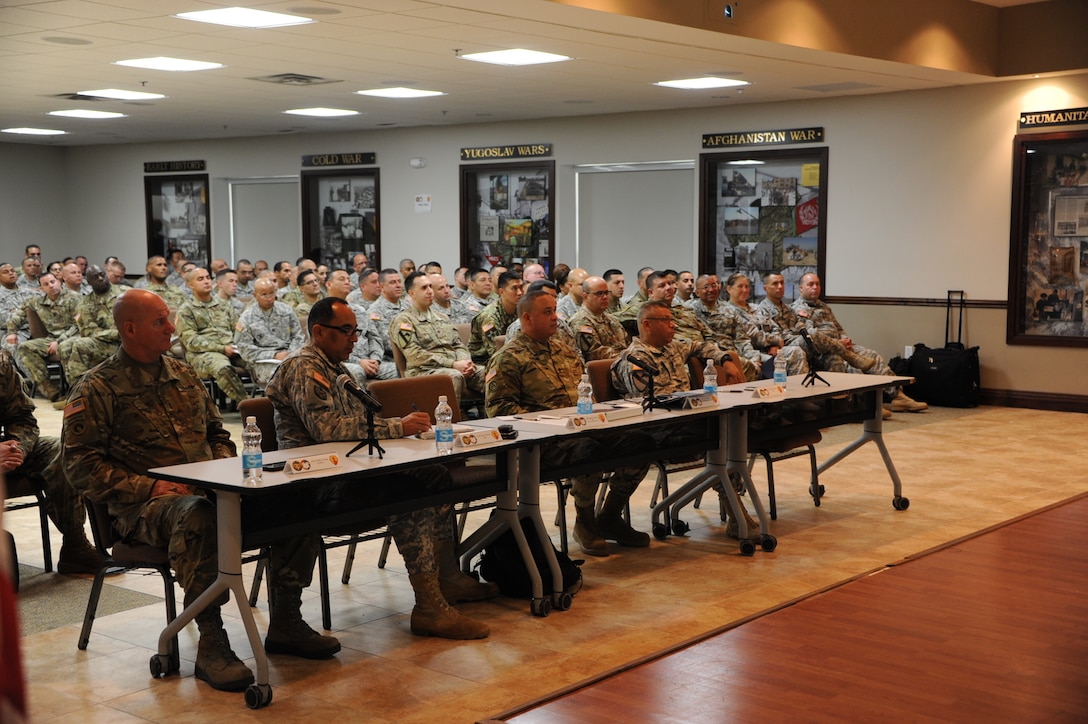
<point>398,359</point>
<point>600,377</point>
<point>262,409</point>
<point>102,530</point>
<point>499,342</point>
<point>403,396</point>
<point>37,329</point>
<point>695,372</point>
<point>464,330</point>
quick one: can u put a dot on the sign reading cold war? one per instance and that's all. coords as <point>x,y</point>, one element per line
<point>1067,117</point>
<point>781,137</point>
<point>338,159</point>
<point>493,153</point>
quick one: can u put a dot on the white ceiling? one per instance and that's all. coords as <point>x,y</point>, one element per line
<point>49,48</point>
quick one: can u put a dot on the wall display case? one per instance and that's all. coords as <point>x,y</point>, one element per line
<point>1048,257</point>
<point>507,213</point>
<point>340,216</point>
<point>177,211</point>
<point>762,211</point>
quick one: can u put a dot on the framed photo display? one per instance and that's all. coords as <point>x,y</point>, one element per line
<point>506,214</point>
<point>340,216</point>
<point>1048,256</point>
<point>177,211</point>
<point>763,210</point>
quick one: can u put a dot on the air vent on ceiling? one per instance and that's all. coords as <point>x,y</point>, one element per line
<point>838,87</point>
<point>294,79</point>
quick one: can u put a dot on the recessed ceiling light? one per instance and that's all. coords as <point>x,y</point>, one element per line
<point>121,95</point>
<point>35,131</point>
<point>173,64</point>
<point>244,18</point>
<point>79,113</point>
<point>322,112</point>
<point>515,56</point>
<point>703,83</point>
<point>400,92</point>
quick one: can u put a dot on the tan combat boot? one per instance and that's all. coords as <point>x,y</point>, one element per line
<point>857,361</point>
<point>585,532</point>
<point>457,585</point>
<point>612,526</point>
<point>731,527</point>
<point>216,663</point>
<point>902,403</point>
<point>289,634</point>
<point>432,616</point>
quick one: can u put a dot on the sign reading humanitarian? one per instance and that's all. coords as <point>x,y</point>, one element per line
<point>1042,119</point>
<point>355,158</point>
<point>491,153</point>
<point>781,137</point>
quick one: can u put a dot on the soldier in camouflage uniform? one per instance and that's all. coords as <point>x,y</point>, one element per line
<point>479,293</point>
<point>563,333</point>
<point>764,334</point>
<point>97,338</point>
<point>142,409</point>
<point>429,342</point>
<point>30,276</point>
<point>366,291</point>
<point>445,302</point>
<point>57,310</point>
<point>729,330</point>
<point>821,320</point>
<point>24,452</point>
<point>206,326</point>
<point>311,407</point>
<point>657,347</point>
<point>12,297</point>
<point>495,318</point>
<point>155,281</point>
<point>537,372</point>
<point>381,314</point>
<point>597,334</point>
<point>266,332</point>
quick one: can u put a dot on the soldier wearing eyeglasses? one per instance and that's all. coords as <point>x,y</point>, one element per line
<point>597,333</point>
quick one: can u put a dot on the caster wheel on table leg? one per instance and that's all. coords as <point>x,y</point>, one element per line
<point>258,695</point>
<point>900,503</point>
<point>661,531</point>
<point>165,664</point>
<point>679,527</point>
<point>541,606</point>
<point>156,666</point>
<point>562,601</point>
<point>768,543</point>
<point>747,548</point>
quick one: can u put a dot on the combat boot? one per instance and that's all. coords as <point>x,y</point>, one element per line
<point>731,523</point>
<point>585,532</point>
<point>902,403</point>
<point>612,526</point>
<point>457,585</point>
<point>857,361</point>
<point>432,616</point>
<point>77,556</point>
<point>288,633</point>
<point>215,662</point>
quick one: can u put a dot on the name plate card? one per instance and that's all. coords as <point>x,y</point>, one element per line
<point>706,399</point>
<point>773,392</point>
<point>478,438</point>
<point>295,466</point>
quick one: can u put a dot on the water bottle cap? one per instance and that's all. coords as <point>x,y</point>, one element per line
<point>251,420</point>
<point>441,398</point>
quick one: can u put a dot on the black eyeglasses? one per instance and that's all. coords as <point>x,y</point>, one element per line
<point>347,330</point>
<point>658,319</point>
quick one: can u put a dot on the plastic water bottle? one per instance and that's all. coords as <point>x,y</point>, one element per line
<point>710,378</point>
<point>443,427</point>
<point>252,457</point>
<point>779,371</point>
<point>585,395</point>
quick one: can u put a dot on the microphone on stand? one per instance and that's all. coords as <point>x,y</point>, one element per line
<point>350,386</point>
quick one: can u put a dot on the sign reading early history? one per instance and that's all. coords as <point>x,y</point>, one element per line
<point>1041,119</point>
<point>780,137</point>
<point>491,153</point>
<point>173,166</point>
<point>339,159</point>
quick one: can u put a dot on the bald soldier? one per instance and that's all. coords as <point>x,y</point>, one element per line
<point>597,333</point>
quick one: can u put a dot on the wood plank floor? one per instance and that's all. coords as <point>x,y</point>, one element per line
<point>992,628</point>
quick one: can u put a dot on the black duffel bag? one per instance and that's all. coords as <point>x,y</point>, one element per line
<point>948,376</point>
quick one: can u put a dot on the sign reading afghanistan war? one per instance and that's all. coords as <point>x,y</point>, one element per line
<point>781,137</point>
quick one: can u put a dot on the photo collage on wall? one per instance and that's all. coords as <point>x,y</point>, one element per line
<point>348,206</point>
<point>1056,259</point>
<point>178,216</point>
<point>767,218</point>
<point>513,221</point>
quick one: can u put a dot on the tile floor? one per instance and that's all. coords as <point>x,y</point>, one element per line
<point>961,476</point>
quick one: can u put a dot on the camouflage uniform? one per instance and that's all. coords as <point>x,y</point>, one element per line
<point>457,312</point>
<point>486,326</point>
<point>598,337</point>
<point>173,298</point>
<point>629,375</point>
<point>473,305</point>
<point>765,334</point>
<point>531,376</point>
<point>32,286</point>
<point>566,307</point>
<point>58,318</point>
<point>10,301</point>
<point>563,331</point>
<point>381,314</point>
<point>62,503</point>
<point>205,328</point>
<point>369,346</point>
<point>730,333</point>
<point>355,299</point>
<point>629,311</point>
<point>122,420</point>
<point>259,334</point>
<point>98,337</point>
<point>821,321</point>
<point>789,325</point>
<point>293,297</point>
<point>431,345</point>
<point>311,408</point>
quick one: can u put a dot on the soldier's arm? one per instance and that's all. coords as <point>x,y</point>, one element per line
<point>18,316</point>
<point>405,336</point>
<point>197,340</point>
<point>246,342</point>
<point>315,403</point>
<point>16,409</point>
<point>502,385</point>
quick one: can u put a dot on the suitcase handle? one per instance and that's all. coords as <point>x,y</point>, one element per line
<point>948,318</point>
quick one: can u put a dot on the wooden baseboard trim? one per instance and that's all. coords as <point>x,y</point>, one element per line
<point>917,302</point>
<point>1034,400</point>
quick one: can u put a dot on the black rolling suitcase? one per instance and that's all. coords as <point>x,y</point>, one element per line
<point>947,376</point>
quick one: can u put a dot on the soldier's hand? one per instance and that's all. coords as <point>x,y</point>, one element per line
<point>465,366</point>
<point>415,423</point>
<point>11,455</point>
<point>165,487</point>
<point>370,366</point>
<point>52,348</point>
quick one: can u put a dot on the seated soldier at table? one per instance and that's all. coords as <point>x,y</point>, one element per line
<point>312,407</point>
<point>143,409</point>
<point>537,372</point>
<point>657,349</point>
